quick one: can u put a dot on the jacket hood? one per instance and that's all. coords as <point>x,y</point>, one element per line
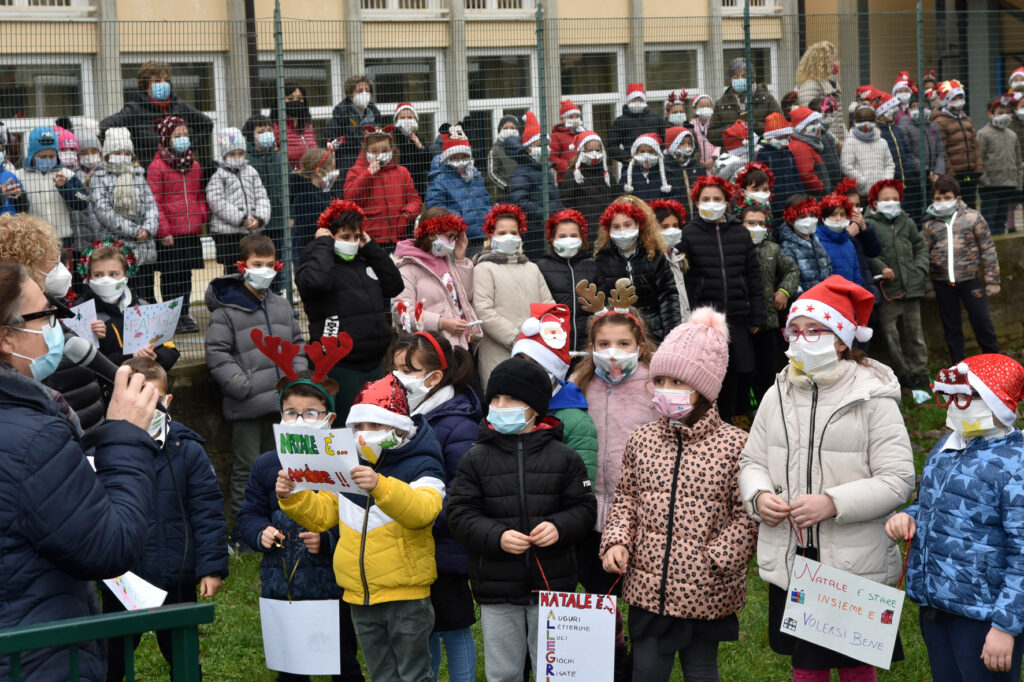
<point>407,249</point>
<point>500,258</point>
<point>438,169</point>
<point>826,235</point>
<point>462,405</point>
<point>229,291</point>
<point>570,396</point>
<point>182,432</point>
<point>548,429</point>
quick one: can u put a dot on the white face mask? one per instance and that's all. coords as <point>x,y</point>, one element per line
<point>677,119</point>
<point>704,113</point>
<point>120,158</point>
<point>915,114</point>
<point>956,105</point>
<point>890,209</point>
<point>384,158</point>
<point>682,154</point>
<point>371,443</point>
<point>415,387</point>
<point>507,244</point>
<point>346,248</point>
<point>816,358</point>
<point>636,106</point>
<point>506,133</point>
<point>362,99</point>
<point>711,210</point>
<point>974,421</point>
<point>58,280</point>
<point>942,208</point>
<point>464,166</point>
<point>647,161</point>
<point>592,158</point>
<point>535,153</point>
<point>806,225</point>
<point>108,289</point>
<point>442,247</point>
<point>777,142</point>
<point>567,247</point>
<point>903,97</point>
<point>68,159</point>
<point>760,197</point>
<point>757,234</point>
<point>625,239</point>
<point>574,123</point>
<point>89,161</point>
<point>407,125</point>
<point>260,278</point>
<point>1017,84</point>
<point>614,365</point>
<point>671,235</point>
<point>158,426</point>
<point>234,161</point>
<point>330,178</point>
<point>836,225</point>
<point>1001,121</point>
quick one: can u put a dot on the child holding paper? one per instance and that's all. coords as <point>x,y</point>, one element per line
<point>965,533</point>
<point>828,459</point>
<point>385,554</point>
<point>185,544</point>
<point>682,554</point>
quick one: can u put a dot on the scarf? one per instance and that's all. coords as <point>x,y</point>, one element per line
<point>864,137</point>
<point>814,141</point>
<point>123,199</point>
<point>179,162</point>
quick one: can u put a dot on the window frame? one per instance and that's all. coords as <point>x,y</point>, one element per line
<point>216,59</point>
<point>586,102</point>
<point>661,95</point>
<point>335,59</point>
<point>437,107</point>
<point>773,59</point>
<point>89,108</point>
<point>497,106</point>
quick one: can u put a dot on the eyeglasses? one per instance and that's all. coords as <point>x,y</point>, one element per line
<point>791,334</point>
<point>961,400</point>
<point>49,314</point>
<point>307,415</point>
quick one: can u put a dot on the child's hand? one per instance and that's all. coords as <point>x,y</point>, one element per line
<point>461,244</point>
<point>888,275</point>
<point>11,189</point>
<point>616,559</point>
<point>146,352</point>
<point>772,508</point>
<point>209,585</point>
<point>365,477</point>
<point>364,239</point>
<point>168,240</point>
<point>514,542</point>
<point>808,510</point>
<point>269,536</point>
<point>992,289</point>
<point>900,527</point>
<point>311,540</point>
<point>780,300</point>
<point>98,328</point>
<point>453,326</point>
<point>323,232</point>
<point>544,535</point>
<point>998,650</point>
<point>284,486</point>
<point>60,179</point>
<point>141,235</point>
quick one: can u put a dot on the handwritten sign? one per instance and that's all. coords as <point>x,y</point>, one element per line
<point>843,612</point>
<point>316,459</point>
<point>575,637</point>
<point>81,323</point>
<point>150,325</point>
<point>135,593</point>
<point>301,637</point>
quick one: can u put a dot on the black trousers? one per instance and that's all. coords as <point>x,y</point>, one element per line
<point>141,284</point>
<point>995,202</point>
<point>970,293</point>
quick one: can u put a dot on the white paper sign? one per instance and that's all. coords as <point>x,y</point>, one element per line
<point>843,612</point>
<point>150,325</point>
<point>575,637</point>
<point>317,459</point>
<point>301,637</point>
<point>81,323</point>
<point>135,593</point>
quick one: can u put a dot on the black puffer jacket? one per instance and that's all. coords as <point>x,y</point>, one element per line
<point>562,277</point>
<point>591,197</point>
<point>657,295</point>
<point>724,271</point>
<point>627,127</point>
<point>140,115</point>
<point>349,296</point>
<point>516,483</point>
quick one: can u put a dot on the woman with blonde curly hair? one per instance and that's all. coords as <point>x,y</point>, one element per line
<point>817,75</point>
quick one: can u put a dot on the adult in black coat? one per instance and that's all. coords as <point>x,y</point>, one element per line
<point>630,125</point>
<point>348,118</point>
<point>563,270</point>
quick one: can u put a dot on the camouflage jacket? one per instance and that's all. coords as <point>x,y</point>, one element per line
<point>973,249</point>
<point>778,271</point>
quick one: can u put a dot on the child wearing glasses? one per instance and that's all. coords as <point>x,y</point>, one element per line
<point>966,530</point>
<point>827,461</point>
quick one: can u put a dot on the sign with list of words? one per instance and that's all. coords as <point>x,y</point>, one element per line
<point>575,637</point>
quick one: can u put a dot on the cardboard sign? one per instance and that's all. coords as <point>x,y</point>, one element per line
<point>150,325</point>
<point>135,593</point>
<point>316,459</point>
<point>575,637</point>
<point>81,323</point>
<point>301,637</point>
<point>843,612</point>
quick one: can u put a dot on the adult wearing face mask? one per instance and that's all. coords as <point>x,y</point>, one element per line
<point>456,185</point>
<point>829,453</point>
<point>963,152</point>
<point>807,147</point>
<point>704,109</point>
<point>53,191</point>
<point>263,155</point>
<point>155,99</point>
<point>525,182</point>
<point>348,118</point>
<point>866,157</point>
<point>732,105</point>
<point>499,165</point>
<point>561,151</point>
<point>66,525</point>
<point>298,123</point>
<point>1004,167</point>
<point>587,186</point>
<point>635,120</point>
<point>412,152</point>
<point>817,75</point>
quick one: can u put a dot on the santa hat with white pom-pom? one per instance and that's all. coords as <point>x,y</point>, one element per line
<point>696,352</point>
<point>544,338</point>
<point>840,305</point>
<point>998,379</point>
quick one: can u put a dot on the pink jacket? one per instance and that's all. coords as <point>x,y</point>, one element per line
<point>617,411</point>
<point>423,284</point>
<point>180,198</point>
<point>297,143</point>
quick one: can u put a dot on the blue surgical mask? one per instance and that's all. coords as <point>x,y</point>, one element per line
<point>508,420</point>
<point>265,140</point>
<point>739,85</point>
<point>161,91</point>
<point>45,165</point>
<point>181,144</point>
<point>46,364</point>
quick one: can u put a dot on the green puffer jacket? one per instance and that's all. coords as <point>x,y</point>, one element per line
<point>778,272</point>
<point>569,406</point>
<point>903,250</point>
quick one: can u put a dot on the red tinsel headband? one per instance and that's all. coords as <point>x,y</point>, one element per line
<point>804,208</point>
<point>741,177</point>
<point>439,225</point>
<point>711,181</point>
<point>670,205</point>
<point>337,207</point>
<point>882,184</point>
<point>566,215</point>
<point>625,208</point>
<point>500,211</point>
<point>832,202</point>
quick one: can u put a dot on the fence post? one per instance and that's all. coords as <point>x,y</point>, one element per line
<point>750,80</point>
<point>282,127</point>
<point>922,122</point>
<point>542,113</point>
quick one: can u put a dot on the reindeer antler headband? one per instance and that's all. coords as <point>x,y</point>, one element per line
<point>621,299</point>
<point>325,354</point>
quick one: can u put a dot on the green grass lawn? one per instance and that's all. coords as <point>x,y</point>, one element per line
<point>231,648</point>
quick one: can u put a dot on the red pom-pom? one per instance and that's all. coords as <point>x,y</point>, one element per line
<point>670,205</point>
<point>278,266</point>
<point>832,202</point>
<point>741,176</point>
<point>846,187</point>
<point>804,208</point>
<point>439,225</point>
<point>882,184</point>
<point>504,211</point>
<point>240,266</point>
<point>566,215</point>
<point>626,208</point>
<point>712,181</point>
<point>337,207</point>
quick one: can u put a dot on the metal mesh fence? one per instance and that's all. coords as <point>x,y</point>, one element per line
<point>482,65</point>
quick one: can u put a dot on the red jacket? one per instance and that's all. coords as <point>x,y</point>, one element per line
<point>297,144</point>
<point>808,165</point>
<point>180,198</point>
<point>561,151</point>
<point>388,198</point>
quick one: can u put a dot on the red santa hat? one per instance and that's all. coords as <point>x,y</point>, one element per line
<point>635,91</point>
<point>453,146</point>
<point>674,137</point>
<point>903,82</point>
<point>886,104</point>
<point>998,379</point>
<point>776,125</point>
<point>654,140</point>
<point>949,90</point>
<point>735,136</point>
<point>568,108</point>
<point>406,106</point>
<point>1017,73</point>
<point>531,128</point>
<point>803,117</point>
<point>381,402</point>
<point>699,96</point>
<point>544,337</point>
<point>578,142</point>
<point>840,305</point>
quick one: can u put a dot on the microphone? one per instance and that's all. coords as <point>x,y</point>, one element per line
<point>83,354</point>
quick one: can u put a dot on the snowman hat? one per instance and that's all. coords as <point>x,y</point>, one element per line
<point>544,338</point>
<point>998,379</point>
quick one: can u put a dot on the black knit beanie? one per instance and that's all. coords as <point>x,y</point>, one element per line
<point>522,380</point>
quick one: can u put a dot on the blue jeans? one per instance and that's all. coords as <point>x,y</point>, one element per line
<point>954,649</point>
<point>461,648</point>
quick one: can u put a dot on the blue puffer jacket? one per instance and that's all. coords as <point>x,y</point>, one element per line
<point>787,178</point>
<point>313,576</point>
<point>64,525</point>
<point>524,185</point>
<point>10,206</point>
<point>176,555</point>
<point>455,423</point>
<point>967,556</point>
<point>810,256</point>
<point>842,252</point>
<point>470,199</point>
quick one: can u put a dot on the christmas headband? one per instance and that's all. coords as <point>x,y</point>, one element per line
<point>504,211</point>
<point>337,207</point>
<point>712,181</point>
<point>806,207</point>
<point>627,208</point>
<point>621,299</point>
<point>741,176</point>
<point>882,184</point>
<point>82,266</point>
<point>325,354</point>
<point>670,205</point>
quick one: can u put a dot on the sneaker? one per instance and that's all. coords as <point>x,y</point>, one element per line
<point>186,325</point>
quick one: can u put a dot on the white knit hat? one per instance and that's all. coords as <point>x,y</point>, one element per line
<point>230,140</point>
<point>117,140</point>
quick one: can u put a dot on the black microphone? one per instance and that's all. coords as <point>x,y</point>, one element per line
<point>81,353</point>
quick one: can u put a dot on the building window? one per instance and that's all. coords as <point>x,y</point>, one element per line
<point>403,79</point>
<point>589,72</point>
<point>761,57</point>
<point>671,69</point>
<point>40,90</point>
<point>499,77</point>
<point>314,75</point>
<point>191,81</point>
<point>499,4</point>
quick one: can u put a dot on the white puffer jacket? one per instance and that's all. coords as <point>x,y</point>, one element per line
<point>234,193</point>
<point>45,200</point>
<point>843,436</point>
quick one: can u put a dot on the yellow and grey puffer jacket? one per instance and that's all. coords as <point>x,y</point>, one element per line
<point>385,546</point>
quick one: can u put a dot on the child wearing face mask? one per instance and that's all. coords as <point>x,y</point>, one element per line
<point>263,155</point>
<point>567,263</point>
<point>456,185</point>
<point>671,217</point>
<point>505,283</point>
<point>12,195</point>
<point>414,154</point>
<point>685,610</point>
<point>311,190</point>
<point>1004,167</point>
<point>587,187</point>
<point>518,526</point>
<point>499,165</point>
<point>562,136</point>
<point>807,148</point>
<point>736,152</point>
<point>437,380</point>
<point>834,213</point>
<point>827,461</point>
<point>383,188</point>
<point>963,151</point>
<point>247,378</point>
<point>635,120</point>
<point>963,532</point>
<point>385,558</point>
<point>704,109</point>
<point>754,181</point>
<point>773,152</point>
<point>682,161</point>
<point>644,176</point>
<point>85,226</point>
<point>934,153</point>
<point>438,275</point>
<point>54,192</point>
<point>238,201</point>
<point>866,157</point>
<point>524,185</point>
<point>797,237</point>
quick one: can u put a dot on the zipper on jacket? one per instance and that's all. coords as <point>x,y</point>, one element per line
<point>524,519</point>
<point>362,552</point>
<point>721,262</point>
<point>670,530</point>
<point>967,143</point>
<point>572,299</point>
<point>810,450</point>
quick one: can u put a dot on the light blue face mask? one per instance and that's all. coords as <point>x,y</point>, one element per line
<point>265,140</point>
<point>181,144</point>
<point>508,420</point>
<point>46,364</point>
<point>45,165</point>
<point>739,85</point>
<point>161,91</point>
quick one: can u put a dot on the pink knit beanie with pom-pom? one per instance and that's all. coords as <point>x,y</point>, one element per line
<point>696,352</point>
